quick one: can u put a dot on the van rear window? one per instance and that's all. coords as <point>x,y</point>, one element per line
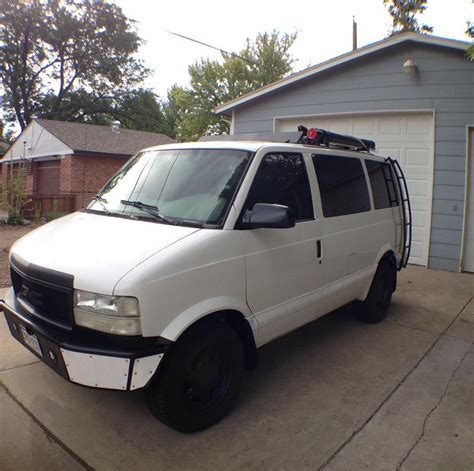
<point>382,183</point>
<point>342,185</point>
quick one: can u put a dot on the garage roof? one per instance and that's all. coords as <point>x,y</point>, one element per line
<point>227,108</point>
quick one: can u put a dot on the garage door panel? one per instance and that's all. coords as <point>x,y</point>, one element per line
<point>417,187</point>
<point>341,127</point>
<point>419,157</point>
<point>418,125</point>
<point>409,139</point>
<point>417,251</point>
<point>364,127</point>
<point>390,127</point>
<point>395,153</point>
<point>415,172</point>
<point>419,219</point>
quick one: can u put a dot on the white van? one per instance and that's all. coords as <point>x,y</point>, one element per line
<point>194,255</point>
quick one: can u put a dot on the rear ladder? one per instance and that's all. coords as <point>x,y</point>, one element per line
<point>406,210</point>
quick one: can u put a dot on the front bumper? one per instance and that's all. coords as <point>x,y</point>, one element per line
<point>83,356</point>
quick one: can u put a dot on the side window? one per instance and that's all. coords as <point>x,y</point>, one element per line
<point>342,185</point>
<point>383,184</point>
<point>282,179</point>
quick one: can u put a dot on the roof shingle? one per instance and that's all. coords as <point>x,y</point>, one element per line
<point>100,139</point>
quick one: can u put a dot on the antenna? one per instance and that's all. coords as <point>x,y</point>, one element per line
<point>212,47</point>
<point>354,33</point>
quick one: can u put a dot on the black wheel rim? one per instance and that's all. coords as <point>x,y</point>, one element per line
<point>208,377</point>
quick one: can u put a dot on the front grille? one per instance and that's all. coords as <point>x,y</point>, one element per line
<point>41,299</point>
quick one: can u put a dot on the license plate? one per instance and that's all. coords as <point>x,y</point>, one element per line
<point>31,340</point>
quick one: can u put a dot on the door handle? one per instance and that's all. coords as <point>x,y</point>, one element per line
<point>318,250</point>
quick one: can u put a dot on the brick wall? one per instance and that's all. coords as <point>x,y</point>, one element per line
<point>85,175</point>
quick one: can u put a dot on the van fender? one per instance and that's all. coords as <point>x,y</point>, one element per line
<point>204,308</point>
<point>383,250</point>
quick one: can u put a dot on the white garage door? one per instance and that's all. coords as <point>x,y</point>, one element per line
<point>407,137</point>
<point>468,264</point>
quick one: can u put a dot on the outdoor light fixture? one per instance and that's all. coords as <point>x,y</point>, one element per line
<point>410,67</point>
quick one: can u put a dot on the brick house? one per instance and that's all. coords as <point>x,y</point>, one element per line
<point>72,160</point>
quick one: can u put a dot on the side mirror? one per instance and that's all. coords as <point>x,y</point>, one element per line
<point>271,216</point>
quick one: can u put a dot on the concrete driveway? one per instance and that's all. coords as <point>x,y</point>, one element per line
<point>333,395</point>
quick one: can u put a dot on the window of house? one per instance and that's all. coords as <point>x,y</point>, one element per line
<point>383,184</point>
<point>342,185</point>
<point>282,179</point>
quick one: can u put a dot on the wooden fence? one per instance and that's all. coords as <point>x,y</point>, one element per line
<point>40,205</point>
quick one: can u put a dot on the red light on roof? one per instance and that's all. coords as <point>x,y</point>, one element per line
<point>311,133</point>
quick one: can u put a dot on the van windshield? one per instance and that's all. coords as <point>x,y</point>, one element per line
<point>186,186</point>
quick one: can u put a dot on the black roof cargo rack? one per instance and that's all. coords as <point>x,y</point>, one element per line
<point>320,137</point>
<point>312,136</point>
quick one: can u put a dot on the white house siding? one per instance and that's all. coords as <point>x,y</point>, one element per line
<point>35,142</point>
<point>444,83</point>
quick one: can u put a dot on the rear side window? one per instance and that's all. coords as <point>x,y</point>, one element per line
<point>342,185</point>
<point>282,179</point>
<point>382,183</point>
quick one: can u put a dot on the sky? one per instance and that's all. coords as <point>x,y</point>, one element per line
<point>324,29</point>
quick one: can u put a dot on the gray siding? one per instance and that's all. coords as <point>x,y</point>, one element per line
<point>445,83</point>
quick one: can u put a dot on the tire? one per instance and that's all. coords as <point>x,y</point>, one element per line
<point>199,379</point>
<point>375,307</point>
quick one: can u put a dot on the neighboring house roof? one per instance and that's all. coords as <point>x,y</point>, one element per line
<point>46,139</point>
<point>227,108</point>
<point>100,139</point>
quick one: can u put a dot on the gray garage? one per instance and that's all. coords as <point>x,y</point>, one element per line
<point>414,95</point>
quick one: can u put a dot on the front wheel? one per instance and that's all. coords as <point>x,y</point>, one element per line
<point>375,307</point>
<point>200,378</point>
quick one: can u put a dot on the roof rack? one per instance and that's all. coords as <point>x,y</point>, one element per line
<point>311,136</point>
<point>318,137</point>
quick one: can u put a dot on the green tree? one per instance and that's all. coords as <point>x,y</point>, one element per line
<point>191,110</point>
<point>404,16</point>
<point>6,137</point>
<point>142,110</point>
<point>470,35</point>
<point>59,57</point>
<point>138,109</point>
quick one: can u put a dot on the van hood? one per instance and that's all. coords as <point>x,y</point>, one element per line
<point>97,250</point>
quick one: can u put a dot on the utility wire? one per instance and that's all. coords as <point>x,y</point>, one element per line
<point>212,47</point>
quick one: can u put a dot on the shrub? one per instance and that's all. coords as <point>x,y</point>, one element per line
<point>15,219</point>
<point>17,196</point>
<point>51,215</point>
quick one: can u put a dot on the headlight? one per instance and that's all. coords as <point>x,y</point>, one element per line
<point>112,314</point>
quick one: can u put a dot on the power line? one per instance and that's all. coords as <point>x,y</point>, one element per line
<point>212,47</point>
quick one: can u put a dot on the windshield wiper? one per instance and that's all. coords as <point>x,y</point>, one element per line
<point>153,210</point>
<point>101,201</point>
